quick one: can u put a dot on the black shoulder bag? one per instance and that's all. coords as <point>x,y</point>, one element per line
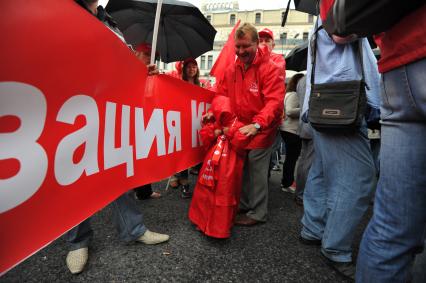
<point>337,107</point>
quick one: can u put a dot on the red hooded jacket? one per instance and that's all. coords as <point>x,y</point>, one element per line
<point>279,60</point>
<point>257,95</point>
<point>404,43</point>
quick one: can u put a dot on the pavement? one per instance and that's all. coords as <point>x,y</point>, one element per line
<point>267,252</point>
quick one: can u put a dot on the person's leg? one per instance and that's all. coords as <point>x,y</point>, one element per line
<point>315,198</point>
<point>419,271</point>
<point>397,228</point>
<point>244,205</point>
<point>305,163</point>
<point>183,177</point>
<point>375,149</point>
<point>184,181</point>
<point>350,173</point>
<point>128,218</point>
<point>275,156</point>
<point>293,146</point>
<point>79,236</point>
<point>258,164</point>
<point>143,192</point>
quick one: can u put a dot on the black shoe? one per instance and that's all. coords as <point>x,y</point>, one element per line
<point>186,193</point>
<point>346,269</point>
<point>309,242</point>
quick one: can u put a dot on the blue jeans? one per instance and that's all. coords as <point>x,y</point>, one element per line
<point>127,218</point>
<point>397,228</point>
<point>338,191</point>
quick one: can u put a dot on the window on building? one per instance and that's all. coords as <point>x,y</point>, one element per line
<point>310,18</point>
<point>305,36</point>
<point>165,66</point>
<point>232,19</point>
<point>209,61</point>
<point>209,18</point>
<point>257,19</point>
<point>203,62</point>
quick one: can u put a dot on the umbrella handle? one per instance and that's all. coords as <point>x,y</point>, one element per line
<point>155,35</point>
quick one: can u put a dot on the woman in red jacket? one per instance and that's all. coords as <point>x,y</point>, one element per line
<point>190,74</point>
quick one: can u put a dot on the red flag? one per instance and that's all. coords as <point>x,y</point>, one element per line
<point>226,56</point>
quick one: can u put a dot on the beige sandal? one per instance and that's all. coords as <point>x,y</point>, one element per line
<point>155,195</point>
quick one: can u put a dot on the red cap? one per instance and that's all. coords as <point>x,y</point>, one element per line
<point>190,60</point>
<point>266,33</point>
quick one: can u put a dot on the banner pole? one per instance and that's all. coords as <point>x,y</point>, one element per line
<point>155,33</point>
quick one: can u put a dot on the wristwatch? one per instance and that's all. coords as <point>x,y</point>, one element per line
<point>257,126</point>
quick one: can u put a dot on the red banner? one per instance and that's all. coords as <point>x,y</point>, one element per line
<point>76,129</point>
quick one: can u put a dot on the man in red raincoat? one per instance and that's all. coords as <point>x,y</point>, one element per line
<point>255,86</point>
<point>266,38</point>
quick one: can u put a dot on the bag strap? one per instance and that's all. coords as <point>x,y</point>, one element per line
<point>314,54</point>
<point>314,51</point>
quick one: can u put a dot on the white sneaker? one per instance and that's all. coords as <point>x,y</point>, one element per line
<point>77,259</point>
<point>152,238</point>
<point>290,190</point>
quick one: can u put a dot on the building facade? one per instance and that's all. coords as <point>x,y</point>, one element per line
<point>223,15</point>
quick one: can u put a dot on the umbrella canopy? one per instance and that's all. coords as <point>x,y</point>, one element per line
<point>183,33</point>
<point>296,60</point>
<point>307,6</point>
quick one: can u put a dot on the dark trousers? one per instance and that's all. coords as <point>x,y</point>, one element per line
<point>143,192</point>
<point>293,145</point>
<point>305,162</point>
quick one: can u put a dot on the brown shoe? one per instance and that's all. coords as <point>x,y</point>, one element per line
<point>244,220</point>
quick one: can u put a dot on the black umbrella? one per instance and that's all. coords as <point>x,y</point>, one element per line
<point>296,60</point>
<point>307,6</point>
<point>183,32</point>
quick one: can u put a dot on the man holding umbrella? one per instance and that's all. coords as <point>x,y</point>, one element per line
<point>128,218</point>
<point>256,90</point>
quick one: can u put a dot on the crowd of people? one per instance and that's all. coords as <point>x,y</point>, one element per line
<point>336,174</point>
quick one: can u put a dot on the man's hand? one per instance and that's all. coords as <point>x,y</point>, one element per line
<point>344,40</point>
<point>217,132</point>
<point>248,130</point>
<point>206,117</point>
<point>152,70</point>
